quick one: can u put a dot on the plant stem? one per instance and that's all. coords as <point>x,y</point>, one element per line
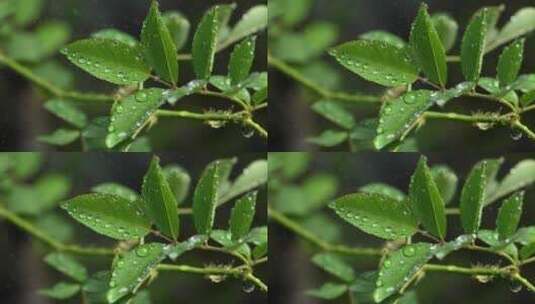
<point>251,277</point>
<point>199,116</point>
<point>517,277</point>
<point>465,270</point>
<point>223,96</point>
<point>257,127</point>
<point>324,245</point>
<point>466,118</point>
<point>517,124</point>
<point>201,270</point>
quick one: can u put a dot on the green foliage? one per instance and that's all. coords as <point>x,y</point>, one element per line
<point>473,45</point>
<point>204,44</point>
<point>472,197</point>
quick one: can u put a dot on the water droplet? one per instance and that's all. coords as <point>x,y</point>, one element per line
<point>82,61</point>
<point>120,109</point>
<point>248,287</point>
<point>247,131</point>
<point>408,251</point>
<point>141,97</point>
<point>387,264</point>
<point>516,134</point>
<point>515,287</point>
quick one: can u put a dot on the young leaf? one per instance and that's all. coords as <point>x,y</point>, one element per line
<point>158,45</point>
<point>205,197</point>
<point>131,269</point>
<point>527,251</point>
<point>521,23</point>
<point>179,181</point>
<point>241,60</point>
<point>377,61</point>
<point>60,137</point>
<point>117,190</point>
<point>260,250</point>
<point>178,26</point>
<point>61,291</point>
<point>67,111</point>
<point>473,46</point>
<point>224,238</point>
<point>334,265</point>
<point>204,44</point>
<point>427,48</point>
<point>109,215</point>
<point>131,114</point>
<point>426,200</point>
<point>376,214</point>
<point>328,291</point>
<point>472,197</point>
<point>398,116</point>
<point>520,176</point>
<point>242,216</point>
<point>67,265</point>
<point>446,181</point>
<point>253,176</point>
<point>399,267</point>
<point>509,215</point>
<point>335,113</point>
<point>446,28</point>
<point>108,60</point>
<point>159,200</point>
<point>329,138</point>
<point>251,22</point>
<point>510,63</point>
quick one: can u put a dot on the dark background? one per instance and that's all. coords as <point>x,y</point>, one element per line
<point>292,121</point>
<point>22,271</point>
<point>22,117</point>
<point>295,273</point>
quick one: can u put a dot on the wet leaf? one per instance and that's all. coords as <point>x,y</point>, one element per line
<point>427,48</point>
<point>241,60</point>
<point>253,176</point>
<point>335,113</point>
<point>116,35</point>
<point>131,114</point>
<point>178,26</point>
<point>385,37</point>
<point>509,215</point>
<point>67,265</point>
<point>329,138</point>
<point>60,137</point>
<point>254,20</point>
<point>192,87</point>
<point>334,265</point>
<point>445,249</point>
<point>398,116</point>
<point>328,291</point>
<point>472,198</point>
<point>67,111</point>
<point>520,176</point>
<point>179,181</point>
<point>108,60</point>
<point>399,267</point>
<point>224,238</point>
<point>385,190</point>
<point>61,291</point>
<point>204,44</point>
<point>446,181</point>
<point>473,45</point>
<point>158,45</point>
<point>527,251</point>
<point>521,23</point>
<point>183,247</point>
<point>132,269</point>
<point>109,215</point>
<point>242,215</point>
<point>426,200</point>
<point>377,61</point>
<point>510,63</point>
<point>446,28</point>
<point>117,190</point>
<point>206,196</point>
<point>160,200</point>
<point>492,238</point>
<point>260,250</point>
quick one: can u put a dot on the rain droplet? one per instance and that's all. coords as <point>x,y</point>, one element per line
<point>142,252</point>
<point>408,251</point>
<point>515,287</point>
<point>516,134</point>
<point>248,287</point>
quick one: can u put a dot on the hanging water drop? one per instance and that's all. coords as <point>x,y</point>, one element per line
<point>515,287</point>
<point>516,134</point>
<point>248,287</point>
<point>247,131</point>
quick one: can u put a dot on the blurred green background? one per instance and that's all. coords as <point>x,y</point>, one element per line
<point>22,117</point>
<point>22,271</point>
<point>291,121</point>
<point>320,177</point>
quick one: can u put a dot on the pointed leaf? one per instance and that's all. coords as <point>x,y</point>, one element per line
<point>242,216</point>
<point>117,190</point>
<point>224,238</point>
<point>131,114</point>
<point>527,251</point>
<point>133,268</point>
<point>447,248</point>
<point>158,46</point>
<point>446,28</point>
<point>108,60</point>
<point>329,138</point>
<point>398,116</point>
<point>60,137</point>
<point>376,214</point>
<point>179,181</point>
<point>377,61</point>
<point>160,200</point>
<point>446,181</point>
<point>260,250</point>
<point>426,200</point>
<point>335,113</point>
<point>509,215</point>
<point>520,176</point>
<point>510,63</point>
<point>109,215</point>
<point>473,45</point>
<point>241,60</point>
<point>521,23</point>
<point>185,246</point>
<point>67,265</point>
<point>385,190</point>
<point>472,197</point>
<point>335,266</point>
<point>253,176</point>
<point>61,291</point>
<point>327,291</point>
<point>116,35</point>
<point>205,197</point>
<point>67,111</point>
<point>178,26</point>
<point>254,20</point>
<point>399,267</point>
<point>384,36</point>
<point>427,48</point>
<point>204,44</point>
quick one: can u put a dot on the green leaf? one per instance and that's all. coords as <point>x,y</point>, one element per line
<point>205,197</point>
<point>376,214</point>
<point>384,190</point>
<point>398,116</point>
<point>510,63</point>
<point>179,181</point>
<point>178,26</point>
<point>521,23</point>
<point>335,113</point>
<point>224,238</point>
<point>473,45</point>
<point>520,176</point>
<point>254,20</point>
<point>446,28</point>
<point>27,11</point>
<point>493,16</point>
<point>242,216</point>
<point>253,176</point>
<point>426,200</point>
<point>52,35</point>
<point>427,48</point>
<point>442,97</point>
<point>328,291</point>
<point>109,215</point>
<point>493,86</point>
<point>334,265</point>
<point>67,111</point>
<point>133,268</point>
<point>158,45</point>
<point>67,265</point>
<point>399,267</point>
<point>116,35</point>
<point>60,137</point>
<point>25,164</point>
<point>443,250</point>
<point>204,44</point>
<point>377,61</point>
<point>329,138</point>
<point>185,246</point>
<point>131,114</point>
<point>385,37</point>
<point>528,98</point>
<point>108,60</point>
<point>160,200</point>
<point>492,239</point>
<point>509,215</point>
<point>260,250</point>
<point>117,190</point>
<point>472,198</point>
<point>61,291</point>
<point>260,96</point>
<point>527,251</point>
<point>446,181</point>
<point>241,60</point>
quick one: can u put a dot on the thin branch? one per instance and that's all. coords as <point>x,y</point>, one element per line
<point>518,125</point>
<point>466,270</point>
<point>476,118</point>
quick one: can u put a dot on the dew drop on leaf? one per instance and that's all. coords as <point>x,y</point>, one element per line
<point>408,251</point>
<point>141,97</point>
<point>142,252</point>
